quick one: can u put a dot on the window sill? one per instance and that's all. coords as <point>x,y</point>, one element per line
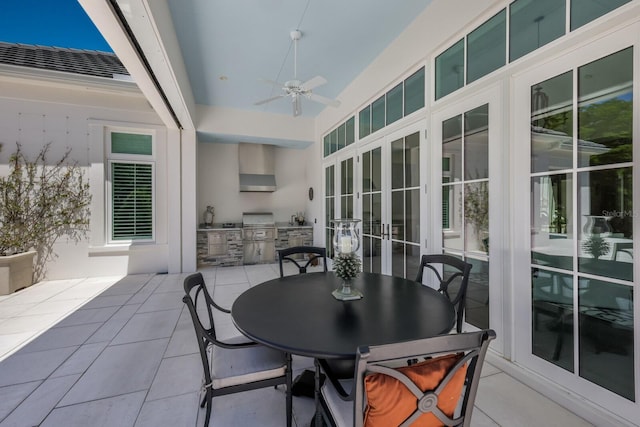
<point>122,249</point>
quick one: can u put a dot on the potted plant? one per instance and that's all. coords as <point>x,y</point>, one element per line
<point>40,201</point>
<point>596,246</point>
<point>476,211</point>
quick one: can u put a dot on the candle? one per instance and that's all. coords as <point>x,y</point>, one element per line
<point>345,244</point>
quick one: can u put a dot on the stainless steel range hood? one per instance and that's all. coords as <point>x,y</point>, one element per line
<point>257,171</point>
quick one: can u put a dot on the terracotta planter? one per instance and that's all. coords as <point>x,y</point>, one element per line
<point>16,272</point>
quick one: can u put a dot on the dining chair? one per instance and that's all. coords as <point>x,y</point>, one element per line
<point>446,269</point>
<point>385,391</point>
<point>304,384</point>
<point>236,364</point>
<point>315,254</point>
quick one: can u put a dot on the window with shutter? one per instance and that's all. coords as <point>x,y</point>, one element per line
<point>132,201</point>
<point>131,190</point>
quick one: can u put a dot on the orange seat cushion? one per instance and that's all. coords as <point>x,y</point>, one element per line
<point>390,403</point>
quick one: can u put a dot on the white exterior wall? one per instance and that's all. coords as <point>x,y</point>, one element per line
<point>218,184</point>
<point>36,112</point>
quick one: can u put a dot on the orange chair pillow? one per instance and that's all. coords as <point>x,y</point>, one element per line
<point>390,403</point>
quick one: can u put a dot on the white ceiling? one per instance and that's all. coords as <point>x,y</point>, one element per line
<point>229,45</point>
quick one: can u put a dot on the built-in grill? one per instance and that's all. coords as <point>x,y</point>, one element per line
<point>259,230</point>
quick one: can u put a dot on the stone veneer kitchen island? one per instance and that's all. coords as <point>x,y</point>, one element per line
<point>223,247</point>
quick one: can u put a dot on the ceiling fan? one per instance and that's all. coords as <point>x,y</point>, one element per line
<point>295,88</point>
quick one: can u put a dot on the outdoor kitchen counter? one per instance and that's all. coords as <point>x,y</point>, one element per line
<point>221,246</point>
<point>286,225</point>
<point>220,226</point>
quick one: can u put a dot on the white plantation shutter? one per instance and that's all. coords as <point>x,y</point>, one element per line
<point>132,200</point>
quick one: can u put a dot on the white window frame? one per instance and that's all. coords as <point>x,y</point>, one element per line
<point>101,158</point>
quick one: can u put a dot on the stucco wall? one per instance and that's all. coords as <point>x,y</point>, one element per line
<point>37,112</point>
<point>218,184</point>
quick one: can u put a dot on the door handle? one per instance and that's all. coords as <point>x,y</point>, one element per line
<point>383,234</point>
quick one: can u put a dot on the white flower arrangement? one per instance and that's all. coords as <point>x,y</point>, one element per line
<point>346,266</point>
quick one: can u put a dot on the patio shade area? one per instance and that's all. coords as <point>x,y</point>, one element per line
<point>122,352</point>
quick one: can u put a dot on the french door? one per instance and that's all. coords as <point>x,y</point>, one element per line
<point>469,193</point>
<point>579,322</point>
<point>390,204</point>
<point>340,195</point>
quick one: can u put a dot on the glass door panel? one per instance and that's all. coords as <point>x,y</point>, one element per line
<point>405,205</point>
<point>372,214</point>
<point>346,188</point>
<point>582,222</point>
<point>465,203</point>
<point>330,203</point>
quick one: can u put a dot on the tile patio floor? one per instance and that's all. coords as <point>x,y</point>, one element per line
<point>122,352</point>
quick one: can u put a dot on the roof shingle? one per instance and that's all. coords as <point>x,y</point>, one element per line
<point>77,61</point>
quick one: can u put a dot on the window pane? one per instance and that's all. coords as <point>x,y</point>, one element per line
<point>552,317</point>
<point>477,304</point>
<point>446,209</point>
<point>476,143</point>
<point>450,70</point>
<point>476,215</point>
<point>377,114</point>
<point>366,172</point>
<point>452,236</point>
<point>414,92</point>
<point>346,186</point>
<point>397,259</point>
<point>329,181</point>
<point>330,212</point>
<point>327,145</point>
<point>346,207</point>
<point>452,148</point>
<point>552,124</point>
<point>341,136</point>
<point>534,23</point>
<point>366,214</point>
<point>132,201</point>
<point>376,214</point>
<point>584,11</point>
<point>605,110</point>
<point>364,122</point>
<point>334,141</point>
<point>394,104</point>
<point>412,211</point>
<point>412,261</point>
<point>397,215</point>
<point>131,143</point>
<point>552,239</point>
<point>350,130</point>
<point>605,208</point>
<point>376,170</point>
<point>412,160</point>
<point>606,335</point>
<point>487,47</point>
<point>397,163</point>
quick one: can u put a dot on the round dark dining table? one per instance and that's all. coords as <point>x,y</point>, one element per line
<point>297,314</point>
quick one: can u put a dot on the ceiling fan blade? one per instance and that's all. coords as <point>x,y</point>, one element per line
<point>323,100</point>
<point>313,82</point>
<point>297,108</point>
<point>264,101</point>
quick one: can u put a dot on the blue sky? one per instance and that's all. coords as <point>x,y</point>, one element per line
<point>61,23</point>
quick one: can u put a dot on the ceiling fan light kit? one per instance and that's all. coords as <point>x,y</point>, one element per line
<point>295,88</point>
